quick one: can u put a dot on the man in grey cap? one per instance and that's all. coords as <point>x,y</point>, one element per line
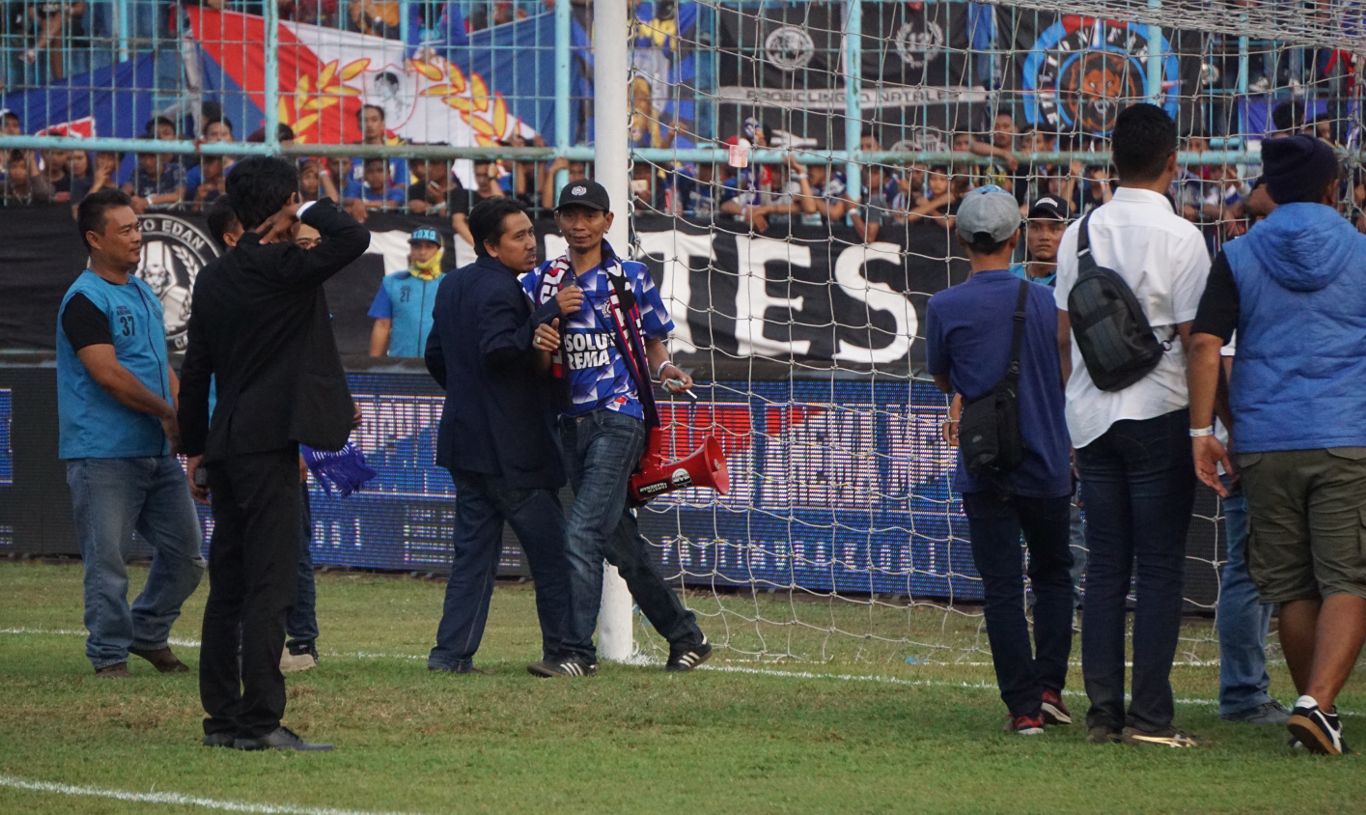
<point>996,332</point>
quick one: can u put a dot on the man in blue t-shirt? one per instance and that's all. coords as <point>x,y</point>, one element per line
<point>969,336</point>
<point>402,309</point>
<point>116,396</point>
<point>603,426</point>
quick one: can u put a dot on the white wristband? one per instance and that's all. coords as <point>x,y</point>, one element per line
<point>660,371</point>
<point>1201,432</point>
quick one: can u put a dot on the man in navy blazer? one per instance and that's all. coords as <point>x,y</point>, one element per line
<point>496,434</point>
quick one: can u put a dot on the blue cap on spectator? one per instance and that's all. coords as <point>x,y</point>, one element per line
<point>988,215</point>
<point>425,233</point>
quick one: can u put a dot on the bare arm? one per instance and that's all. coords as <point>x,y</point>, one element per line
<point>460,223</point>
<point>656,353</point>
<point>379,336</point>
<point>1202,376</point>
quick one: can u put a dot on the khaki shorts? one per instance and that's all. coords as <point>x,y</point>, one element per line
<point>1308,513</point>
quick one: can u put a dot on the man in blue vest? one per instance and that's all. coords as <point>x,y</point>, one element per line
<point>402,309</point>
<point>1295,291</point>
<point>116,397</point>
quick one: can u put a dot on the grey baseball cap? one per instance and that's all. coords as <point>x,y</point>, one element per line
<point>988,214</point>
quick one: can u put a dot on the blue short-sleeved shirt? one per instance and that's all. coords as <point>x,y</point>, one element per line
<point>1019,270</point>
<point>598,376</point>
<point>392,193</point>
<point>967,334</point>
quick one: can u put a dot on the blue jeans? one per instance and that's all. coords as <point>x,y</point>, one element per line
<point>995,522</point>
<point>1242,618</point>
<point>1077,543</point>
<point>302,623</point>
<point>1140,487</point>
<point>111,497</point>
<point>601,449</point>
<point>482,504</point>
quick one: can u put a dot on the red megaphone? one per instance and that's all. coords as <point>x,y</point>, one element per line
<point>706,467</point>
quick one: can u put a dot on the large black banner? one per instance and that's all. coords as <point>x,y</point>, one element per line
<point>814,297</point>
<point>784,64</point>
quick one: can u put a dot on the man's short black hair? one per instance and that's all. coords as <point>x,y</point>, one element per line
<point>374,160</point>
<point>90,214</point>
<point>10,116</point>
<point>221,120</point>
<point>222,220</point>
<point>1288,115</point>
<point>1144,138</point>
<point>986,246</point>
<point>158,121</point>
<point>486,221</point>
<point>364,108</point>
<point>259,186</point>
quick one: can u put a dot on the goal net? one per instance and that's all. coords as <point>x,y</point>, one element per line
<point>798,271</point>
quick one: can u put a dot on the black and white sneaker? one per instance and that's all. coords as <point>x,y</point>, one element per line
<point>684,656</point>
<point>1318,731</point>
<point>563,666</point>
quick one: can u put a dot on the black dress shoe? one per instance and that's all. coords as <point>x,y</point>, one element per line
<point>281,738</point>
<point>219,739</point>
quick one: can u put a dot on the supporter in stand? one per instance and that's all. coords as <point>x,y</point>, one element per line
<point>698,194</point>
<point>54,170</point>
<point>971,339</point>
<point>1004,171</point>
<point>374,132</point>
<point>159,183</point>
<point>436,191</point>
<point>827,190</point>
<point>377,191</point>
<point>1304,480</point>
<point>875,209</point>
<point>485,187</point>
<point>1132,452</point>
<point>101,176</point>
<point>940,200</point>
<point>577,170</point>
<point>217,129</point>
<point>25,185</point>
<point>211,183</point>
<point>402,308</point>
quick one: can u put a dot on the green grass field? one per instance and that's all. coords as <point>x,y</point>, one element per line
<point>844,724</point>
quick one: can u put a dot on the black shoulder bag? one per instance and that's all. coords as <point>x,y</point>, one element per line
<point>1108,323</point>
<point>989,431</point>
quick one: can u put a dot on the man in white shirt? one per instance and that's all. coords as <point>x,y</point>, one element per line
<point>1132,445</point>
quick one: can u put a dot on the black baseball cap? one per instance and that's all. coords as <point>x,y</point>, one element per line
<point>1048,208</point>
<point>584,193</point>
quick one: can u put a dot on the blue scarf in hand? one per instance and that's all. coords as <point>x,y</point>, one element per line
<point>344,469</point>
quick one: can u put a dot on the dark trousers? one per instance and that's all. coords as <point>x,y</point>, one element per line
<point>1140,487</point>
<point>253,570</point>
<point>601,450</point>
<point>995,521</point>
<point>302,623</point>
<point>482,504</point>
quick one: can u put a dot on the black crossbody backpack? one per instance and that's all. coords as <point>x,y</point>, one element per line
<point>1108,323</point>
<point>989,431</point>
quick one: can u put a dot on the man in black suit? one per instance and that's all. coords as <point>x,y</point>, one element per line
<point>495,435</point>
<point>261,327</point>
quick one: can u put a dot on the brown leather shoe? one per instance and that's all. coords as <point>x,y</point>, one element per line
<point>118,670</point>
<point>162,659</point>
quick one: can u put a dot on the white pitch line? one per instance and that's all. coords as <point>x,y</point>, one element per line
<point>176,799</point>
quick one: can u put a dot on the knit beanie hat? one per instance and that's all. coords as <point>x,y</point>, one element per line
<point>1298,168</point>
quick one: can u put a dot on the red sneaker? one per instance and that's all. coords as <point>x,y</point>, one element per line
<point>1053,710</point>
<point>1025,725</point>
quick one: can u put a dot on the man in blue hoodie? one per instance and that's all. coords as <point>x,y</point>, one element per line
<point>1295,290</point>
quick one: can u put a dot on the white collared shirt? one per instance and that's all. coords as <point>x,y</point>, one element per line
<point>1163,258</point>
